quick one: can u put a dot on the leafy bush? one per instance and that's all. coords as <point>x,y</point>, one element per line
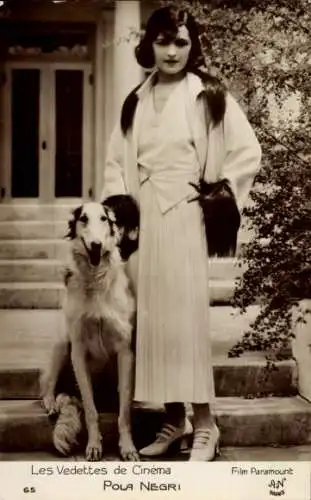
<point>262,51</point>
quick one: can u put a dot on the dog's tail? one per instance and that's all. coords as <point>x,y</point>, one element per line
<point>68,426</point>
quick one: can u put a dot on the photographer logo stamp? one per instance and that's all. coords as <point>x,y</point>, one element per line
<point>277,487</point>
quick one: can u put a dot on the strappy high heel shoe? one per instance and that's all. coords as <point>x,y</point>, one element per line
<point>205,444</point>
<point>168,435</point>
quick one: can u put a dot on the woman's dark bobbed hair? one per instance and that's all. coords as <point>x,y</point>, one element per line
<point>167,20</point>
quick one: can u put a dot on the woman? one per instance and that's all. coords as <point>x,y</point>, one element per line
<point>177,121</point>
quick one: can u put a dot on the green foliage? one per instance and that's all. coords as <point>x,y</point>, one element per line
<point>262,51</point>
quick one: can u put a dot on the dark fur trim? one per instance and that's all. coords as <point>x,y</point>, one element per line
<point>126,211</point>
<point>215,94</point>
<point>72,223</point>
<point>128,110</point>
<point>221,217</point>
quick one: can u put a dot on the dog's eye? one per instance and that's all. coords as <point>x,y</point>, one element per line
<point>103,218</point>
<point>84,219</point>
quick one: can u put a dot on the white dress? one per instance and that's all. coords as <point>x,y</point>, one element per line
<point>173,350</point>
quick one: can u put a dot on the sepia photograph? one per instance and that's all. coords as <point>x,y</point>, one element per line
<point>155,233</point>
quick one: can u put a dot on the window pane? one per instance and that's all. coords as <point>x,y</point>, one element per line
<point>25,132</point>
<point>69,116</point>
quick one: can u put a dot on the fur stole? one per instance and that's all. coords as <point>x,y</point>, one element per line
<point>214,92</point>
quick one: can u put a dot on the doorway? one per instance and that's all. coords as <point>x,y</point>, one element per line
<point>48,131</point>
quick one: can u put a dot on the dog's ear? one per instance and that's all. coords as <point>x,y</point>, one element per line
<point>127,214</point>
<point>72,223</point>
<point>125,209</point>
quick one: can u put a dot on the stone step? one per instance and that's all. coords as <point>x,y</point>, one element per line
<point>35,295</point>
<point>24,426</point>
<point>58,211</point>
<point>37,249</point>
<point>33,249</point>
<point>56,228</point>
<point>48,295</point>
<point>50,269</point>
<point>44,246</point>
<point>27,337</point>
<point>226,269</point>
<point>246,377</point>
<point>39,328</point>
<point>54,211</point>
<point>25,270</point>
<point>48,229</point>
<point>37,211</point>
<point>221,291</point>
<point>228,325</point>
<point>264,421</point>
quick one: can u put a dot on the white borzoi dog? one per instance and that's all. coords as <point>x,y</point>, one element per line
<point>99,310</point>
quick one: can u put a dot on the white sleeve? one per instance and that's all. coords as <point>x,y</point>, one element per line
<point>242,152</point>
<point>113,178</point>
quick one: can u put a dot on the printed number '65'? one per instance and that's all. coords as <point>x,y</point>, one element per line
<point>29,489</point>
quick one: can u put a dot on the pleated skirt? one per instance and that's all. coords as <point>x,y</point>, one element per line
<point>173,345</point>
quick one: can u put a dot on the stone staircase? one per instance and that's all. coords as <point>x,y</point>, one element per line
<point>253,407</point>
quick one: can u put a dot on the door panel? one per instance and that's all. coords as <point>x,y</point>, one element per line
<point>68,132</point>
<point>48,147</point>
<point>25,112</point>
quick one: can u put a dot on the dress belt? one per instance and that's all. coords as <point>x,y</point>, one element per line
<point>142,182</point>
<point>143,175</point>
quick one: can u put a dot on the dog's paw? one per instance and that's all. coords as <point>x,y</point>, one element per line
<point>94,450</point>
<point>128,451</point>
<point>49,404</point>
<point>130,456</point>
<point>63,445</point>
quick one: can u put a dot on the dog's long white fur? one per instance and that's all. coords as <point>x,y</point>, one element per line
<point>99,309</point>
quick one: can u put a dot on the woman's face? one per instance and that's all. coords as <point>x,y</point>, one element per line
<point>171,55</point>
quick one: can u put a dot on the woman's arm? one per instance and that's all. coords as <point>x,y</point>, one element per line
<point>113,178</point>
<point>242,152</point>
